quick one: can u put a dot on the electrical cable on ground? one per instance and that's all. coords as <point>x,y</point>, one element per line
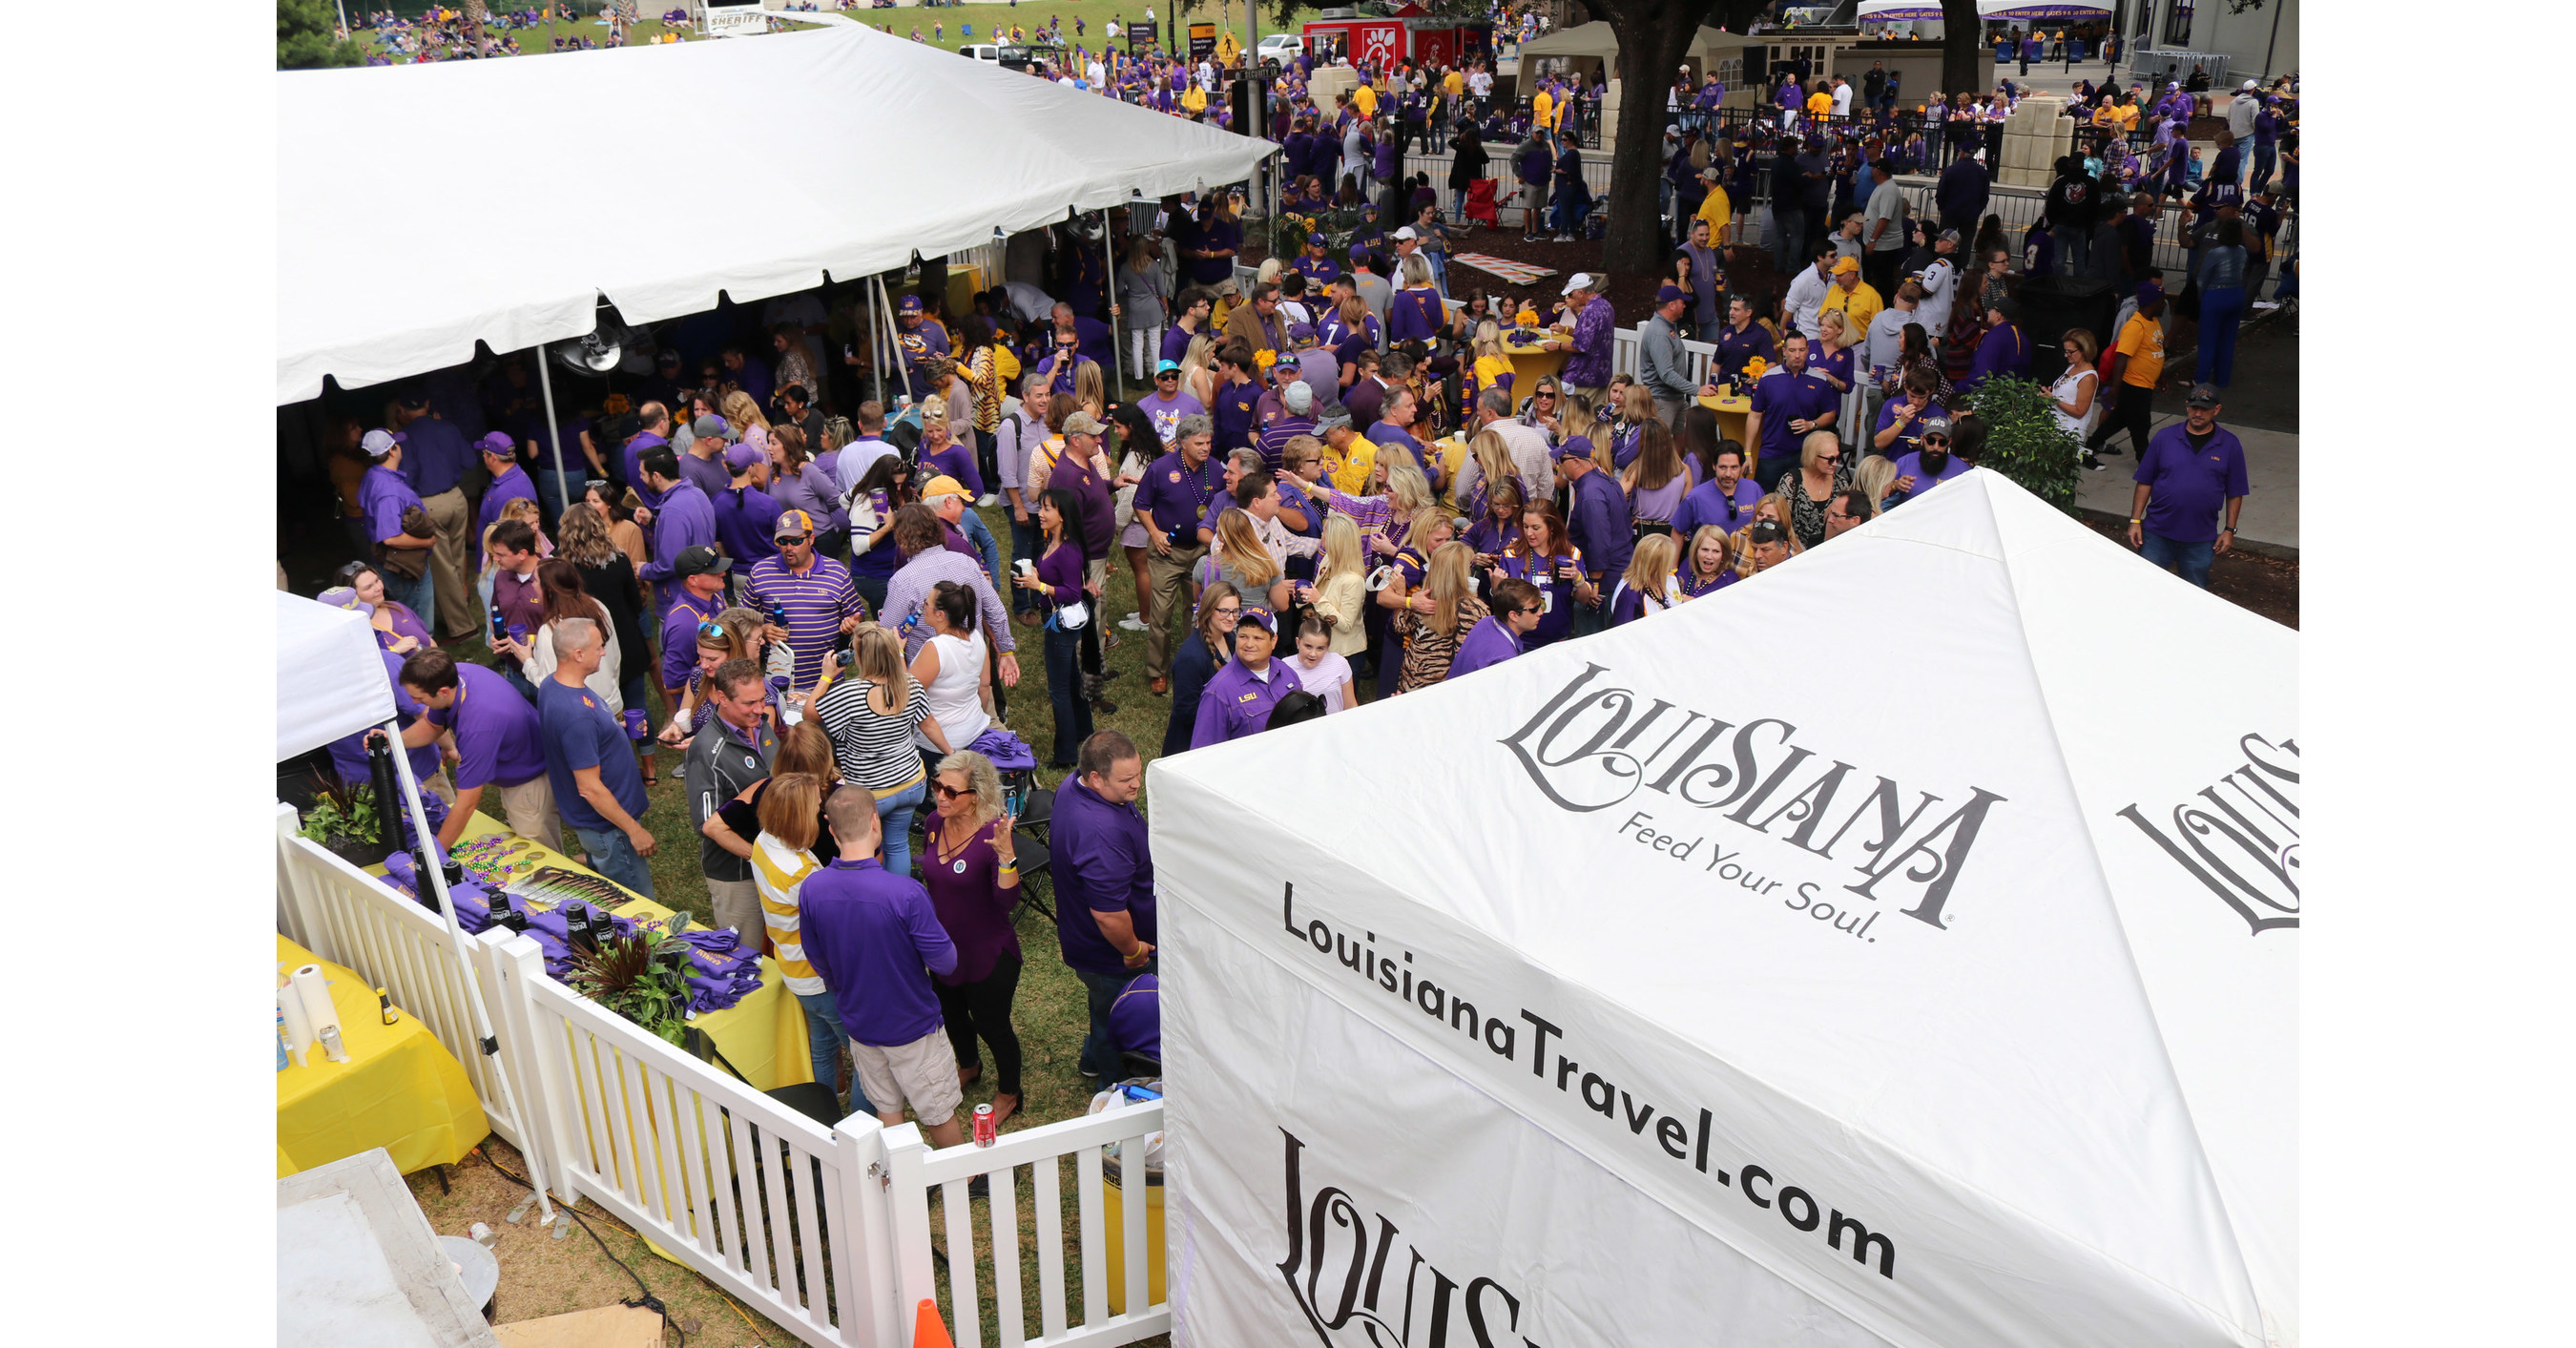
<point>647,1300</point>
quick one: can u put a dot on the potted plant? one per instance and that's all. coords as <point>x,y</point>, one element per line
<point>2024,441</point>
<point>347,824</point>
<point>642,976</point>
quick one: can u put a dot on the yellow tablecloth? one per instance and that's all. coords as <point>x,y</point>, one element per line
<point>400,1090</point>
<point>1731,414</point>
<point>763,1035</point>
<point>1530,366</point>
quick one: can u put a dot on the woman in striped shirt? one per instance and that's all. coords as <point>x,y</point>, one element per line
<point>781,858</point>
<point>870,712</point>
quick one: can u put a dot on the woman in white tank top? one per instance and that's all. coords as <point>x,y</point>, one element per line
<point>952,668</point>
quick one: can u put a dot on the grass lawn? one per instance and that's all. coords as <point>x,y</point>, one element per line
<point>1093,13</point>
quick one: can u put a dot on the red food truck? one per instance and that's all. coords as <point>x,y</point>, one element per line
<point>1408,34</point>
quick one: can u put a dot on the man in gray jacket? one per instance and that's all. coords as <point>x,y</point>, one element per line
<point>1663,366</point>
<point>730,750</point>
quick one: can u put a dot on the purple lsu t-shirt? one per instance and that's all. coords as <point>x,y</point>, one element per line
<point>497,735</point>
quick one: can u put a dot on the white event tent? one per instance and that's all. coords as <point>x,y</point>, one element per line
<point>1899,947</point>
<point>423,207</point>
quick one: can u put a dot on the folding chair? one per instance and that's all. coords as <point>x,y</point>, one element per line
<point>1029,841</point>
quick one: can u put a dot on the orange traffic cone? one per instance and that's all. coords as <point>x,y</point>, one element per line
<point>928,1331</point>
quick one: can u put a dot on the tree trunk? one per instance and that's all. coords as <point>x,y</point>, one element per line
<point>1963,35</point>
<point>474,24</point>
<point>1648,53</point>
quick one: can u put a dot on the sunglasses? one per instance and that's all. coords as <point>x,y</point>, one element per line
<point>792,541</point>
<point>1531,609</point>
<point>947,792</point>
<point>711,630</point>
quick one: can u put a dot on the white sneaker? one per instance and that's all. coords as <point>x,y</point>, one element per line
<point>991,499</point>
<point>1132,623</point>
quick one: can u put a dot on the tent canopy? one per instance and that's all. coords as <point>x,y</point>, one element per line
<point>1885,949</point>
<point>1596,41</point>
<point>330,680</point>
<point>2042,11</point>
<point>389,266</point>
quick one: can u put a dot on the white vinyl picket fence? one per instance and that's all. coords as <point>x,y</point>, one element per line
<point>824,1230</point>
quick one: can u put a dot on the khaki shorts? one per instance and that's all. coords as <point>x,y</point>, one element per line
<point>736,904</point>
<point>922,1074</point>
<point>529,809</point>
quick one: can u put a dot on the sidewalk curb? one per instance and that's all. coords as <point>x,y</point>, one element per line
<point>2278,551</point>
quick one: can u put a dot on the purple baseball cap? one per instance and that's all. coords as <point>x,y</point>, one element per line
<point>342,596</point>
<point>496,443</point>
<point>910,304</point>
<point>1301,332</point>
<point>1259,617</point>
<point>1669,294</point>
<point>740,458</point>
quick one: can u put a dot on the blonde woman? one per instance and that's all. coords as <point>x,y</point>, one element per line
<point>1489,461</point>
<point>871,712</point>
<point>1824,467</point>
<point>1875,478</point>
<point>1091,390</point>
<point>1340,590</point>
<point>2077,406</point>
<point>1198,370</point>
<point>1247,566</point>
<point>1431,636</point>
<point>974,883</point>
<point>1711,564</point>
<point>1656,479</point>
<point>743,417</point>
<point>1647,587</point>
<point>782,857</point>
<point>1830,358</point>
<point>1493,369</point>
<point>1424,531</point>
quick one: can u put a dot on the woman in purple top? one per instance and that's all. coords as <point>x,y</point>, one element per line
<point>398,629</point>
<point>1547,559</point>
<point>1058,579</point>
<point>940,454</point>
<point>1415,313</point>
<point>973,876</point>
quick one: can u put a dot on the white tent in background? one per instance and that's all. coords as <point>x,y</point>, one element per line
<point>389,265</point>
<point>1899,11</point>
<point>2042,11</point>
<point>330,680</point>
<point>1900,947</point>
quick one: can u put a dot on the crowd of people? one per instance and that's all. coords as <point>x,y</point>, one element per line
<point>769,562</point>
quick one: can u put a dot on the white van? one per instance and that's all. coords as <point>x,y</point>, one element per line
<point>1280,47</point>
<point>981,51</point>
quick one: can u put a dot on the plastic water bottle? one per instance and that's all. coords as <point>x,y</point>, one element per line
<point>281,1039</point>
<point>482,1235</point>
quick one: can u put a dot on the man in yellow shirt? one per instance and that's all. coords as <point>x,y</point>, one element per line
<point>1542,108</point>
<point>1348,459</point>
<point>1453,84</point>
<point>1859,302</point>
<point>1820,104</point>
<point>1717,208</point>
<point>1364,97</point>
<point>2138,363</point>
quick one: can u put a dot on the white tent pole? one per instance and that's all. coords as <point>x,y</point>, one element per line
<point>894,338</point>
<point>1117,339</point>
<point>554,435</point>
<point>876,344</point>
<point>435,876</point>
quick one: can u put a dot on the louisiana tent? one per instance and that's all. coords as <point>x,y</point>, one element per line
<point>388,266</point>
<point>1900,947</point>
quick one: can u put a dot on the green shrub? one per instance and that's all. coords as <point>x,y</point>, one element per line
<point>2024,442</point>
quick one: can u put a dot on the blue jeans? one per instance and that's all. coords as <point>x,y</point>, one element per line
<point>613,856</point>
<point>825,1037</point>
<point>2172,554</point>
<point>1100,1051</point>
<point>980,534</point>
<point>550,488</point>
<point>2221,310</point>
<point>1064,693</point>
<point>2266,158</point>
<point>1026,542</point>
<point>896,810</point>
<point>421,594</point>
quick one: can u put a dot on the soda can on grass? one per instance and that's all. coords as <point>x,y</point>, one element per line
<point>985,1130</point>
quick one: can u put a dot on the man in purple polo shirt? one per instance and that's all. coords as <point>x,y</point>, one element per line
<point>1170,497</point>
<point>746,515</point>
<point>685,519</point>
<point>704,461</point>
<point>386,498</point>
<point>1927,466</point>
<point>1788,402</point>
<point>498,743</point>
<point>876,941</point>
<point>2189,473</point>
<point>1497,637</point>
<point>435,457</point>
<point>697,596</point>
<point>1296,418</point>
<point>509,483</point>
<point>516,594</point>
<point>656,421</point>
<point>589,762</point>
<point>814,593</point>
<point>1725,500</point>
<point>1739,341</point>
<point>1597,522</point>
<point>1103,868</point>
<point>1237,702</point>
